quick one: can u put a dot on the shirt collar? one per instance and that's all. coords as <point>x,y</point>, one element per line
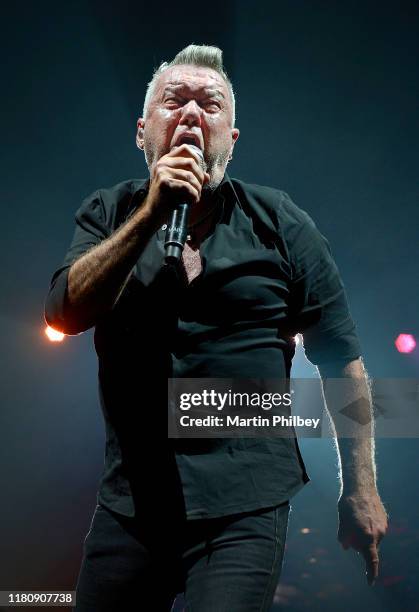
<point>225,187</point>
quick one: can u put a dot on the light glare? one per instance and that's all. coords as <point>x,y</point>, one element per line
<point>53,335</point>
<point>405,343</point>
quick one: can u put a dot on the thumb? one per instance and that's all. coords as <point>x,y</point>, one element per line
<point>344,540</point>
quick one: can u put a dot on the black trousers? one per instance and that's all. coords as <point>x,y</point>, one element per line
<point>228,564</point>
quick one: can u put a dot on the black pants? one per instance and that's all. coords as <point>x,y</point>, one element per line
<point>228,564</point>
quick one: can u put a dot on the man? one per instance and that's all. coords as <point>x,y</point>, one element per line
<point>212,520</point>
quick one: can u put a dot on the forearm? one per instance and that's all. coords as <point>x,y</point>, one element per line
<point>357,461</point>
<point>354,428</point>
<point>97,278</point>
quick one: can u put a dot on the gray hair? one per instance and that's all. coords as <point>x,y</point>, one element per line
<point>195,55</point>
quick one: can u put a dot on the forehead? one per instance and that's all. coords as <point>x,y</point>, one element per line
<point>193,78</point>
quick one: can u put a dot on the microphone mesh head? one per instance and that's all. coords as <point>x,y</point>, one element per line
<point>201,156</point>
<point>196,150</point>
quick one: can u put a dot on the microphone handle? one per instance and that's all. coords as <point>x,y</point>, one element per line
<point>176,234</point>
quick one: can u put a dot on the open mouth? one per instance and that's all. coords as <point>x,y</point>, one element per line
<point>189,140</point>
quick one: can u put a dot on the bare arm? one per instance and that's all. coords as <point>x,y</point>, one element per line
<point>362,517</point>
<point>97,278</point>
<point>355,433</point>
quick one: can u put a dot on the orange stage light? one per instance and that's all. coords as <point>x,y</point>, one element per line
<point>53,335</point>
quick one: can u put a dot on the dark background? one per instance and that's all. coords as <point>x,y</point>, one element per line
<point>327,104</point>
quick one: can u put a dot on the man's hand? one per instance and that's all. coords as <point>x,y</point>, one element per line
<point>362,516</point>
<point>177,177</point>
<point>362,524</point>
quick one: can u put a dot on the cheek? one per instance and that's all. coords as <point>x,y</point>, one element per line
<point>166,115</point>
<point>219,136</point>
<point>162,123</point>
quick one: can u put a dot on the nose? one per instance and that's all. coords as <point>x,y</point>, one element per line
<point>191,114</point>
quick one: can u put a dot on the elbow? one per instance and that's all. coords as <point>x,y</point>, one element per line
<point>67,323</point>
<point>64,327</point>
<point>59,313</point>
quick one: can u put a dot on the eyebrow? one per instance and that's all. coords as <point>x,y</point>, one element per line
<point>175,85</point>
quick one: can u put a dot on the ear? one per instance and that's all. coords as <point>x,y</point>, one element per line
<point>235,133</point>
<point>139,139</point>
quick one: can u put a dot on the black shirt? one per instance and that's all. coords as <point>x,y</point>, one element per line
<point>267,275</point>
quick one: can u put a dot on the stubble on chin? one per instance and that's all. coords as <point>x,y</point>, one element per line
<point>216,167</point>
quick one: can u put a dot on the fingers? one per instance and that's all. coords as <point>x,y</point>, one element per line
<point>187,157</point>
<point>185,150</point>
<point>180,189</point>
<point>188,177</point>
<point>190,164</point>
<point>362,525</point>
<point>346,539</point>
<point>370,554</point>
<point>177,177</point>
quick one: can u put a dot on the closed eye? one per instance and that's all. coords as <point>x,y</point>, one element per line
<point>209,105</point>
<point>212,104</point>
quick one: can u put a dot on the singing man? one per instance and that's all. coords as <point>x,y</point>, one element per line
<point>207,517</point>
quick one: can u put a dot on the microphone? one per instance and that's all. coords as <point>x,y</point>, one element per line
<point>177,229</point>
